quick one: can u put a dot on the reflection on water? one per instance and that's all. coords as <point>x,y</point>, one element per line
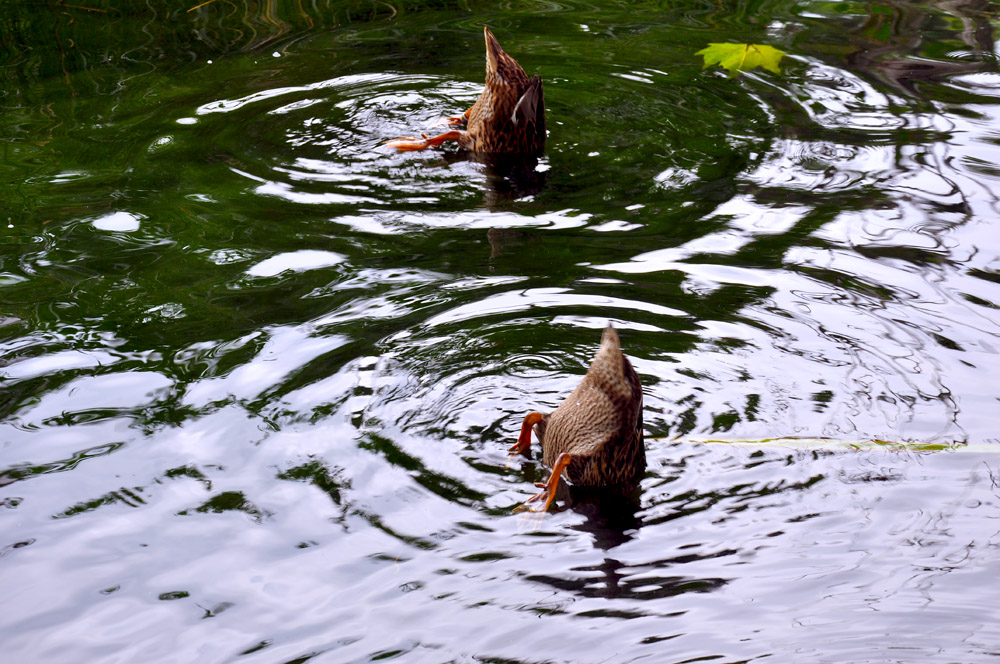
<point>260,374</point>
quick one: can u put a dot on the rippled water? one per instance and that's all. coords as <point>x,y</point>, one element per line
<point>259,374</point>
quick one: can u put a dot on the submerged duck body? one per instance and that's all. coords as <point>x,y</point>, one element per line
<point>595,435</point>
<point>507,118</point>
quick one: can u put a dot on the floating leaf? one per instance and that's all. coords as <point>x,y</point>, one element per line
<point>742,57</point>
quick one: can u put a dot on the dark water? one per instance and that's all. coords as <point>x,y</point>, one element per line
<point>259,375</point>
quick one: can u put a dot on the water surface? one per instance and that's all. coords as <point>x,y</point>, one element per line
<point>259,374</point>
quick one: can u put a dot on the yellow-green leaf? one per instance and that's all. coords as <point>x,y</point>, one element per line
<point>742,57</point>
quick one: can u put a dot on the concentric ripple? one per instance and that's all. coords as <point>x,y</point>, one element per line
<point>261,374</point>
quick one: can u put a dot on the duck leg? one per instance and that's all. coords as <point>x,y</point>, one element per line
<point>549,487</point>
<point>409,143</point>
<point>523,443</point>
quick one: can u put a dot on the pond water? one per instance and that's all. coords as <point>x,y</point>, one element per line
<point>259,374</point>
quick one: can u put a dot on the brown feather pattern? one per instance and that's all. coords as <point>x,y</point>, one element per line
<point>493,125</point>
<point>600,423</point>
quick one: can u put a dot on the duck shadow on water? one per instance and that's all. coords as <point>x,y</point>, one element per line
<point>612,518</point>
<point>611,513</point>
<point>509,177</point>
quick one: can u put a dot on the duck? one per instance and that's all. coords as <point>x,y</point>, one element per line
<point>507,118</point>
<point>595,435</point>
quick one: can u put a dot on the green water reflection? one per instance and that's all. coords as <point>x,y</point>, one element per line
<point>256,368</point>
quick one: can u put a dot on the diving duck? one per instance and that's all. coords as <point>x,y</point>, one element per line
<point>595,435</point>
<point>508,117</point>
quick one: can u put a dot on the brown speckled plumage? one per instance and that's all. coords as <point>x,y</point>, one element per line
<point>598,427</point>
<point>509,115</point>
<point>507,118</point>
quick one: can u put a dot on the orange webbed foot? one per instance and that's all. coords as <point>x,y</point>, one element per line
<point>524,507</point>
<point>548,492</point>
<point>409,143</point>
<point>454,120</point>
